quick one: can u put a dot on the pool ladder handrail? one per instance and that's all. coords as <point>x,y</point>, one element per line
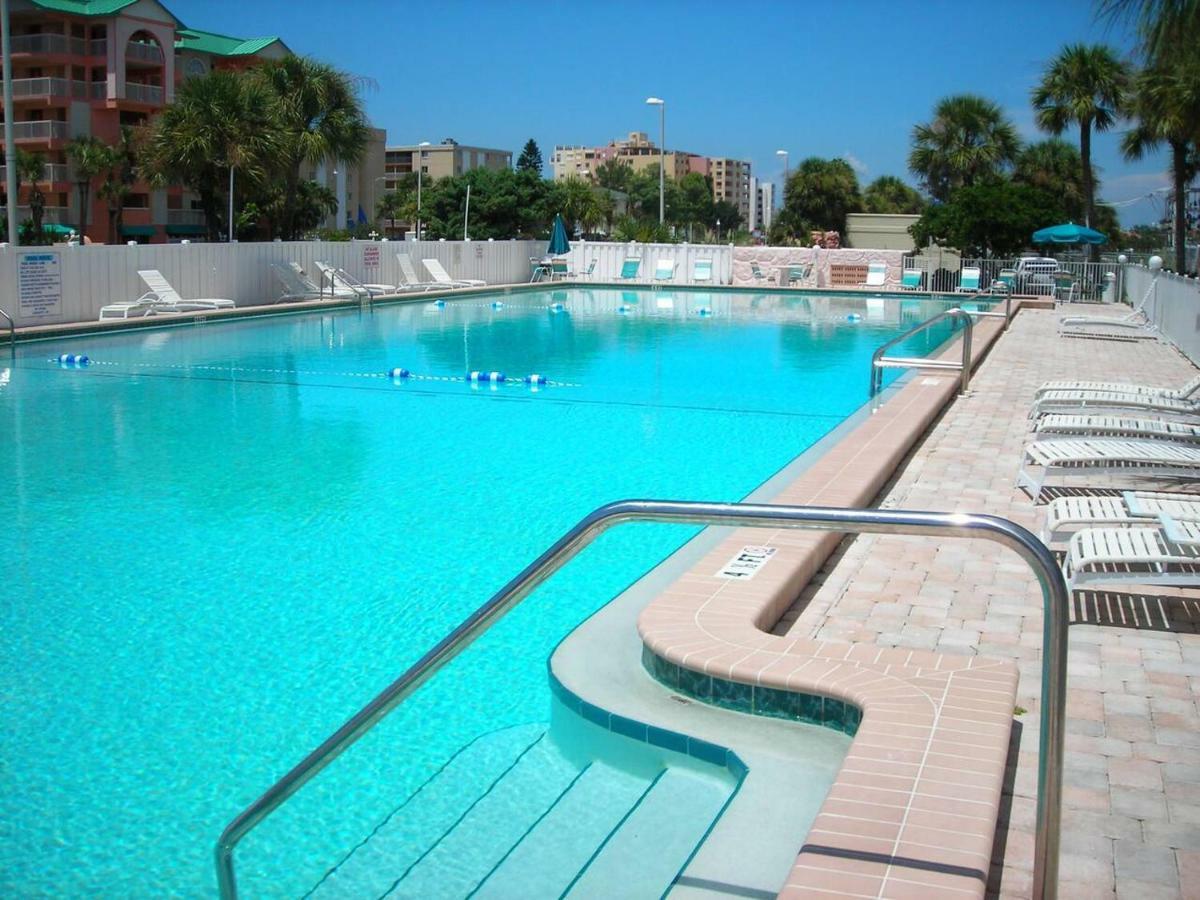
<point>879,362</point>
<point>1055,600</point>
<point>12,329</point>
<point>990,314</point>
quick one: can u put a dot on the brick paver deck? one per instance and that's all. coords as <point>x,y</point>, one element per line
<point>1131,822</point>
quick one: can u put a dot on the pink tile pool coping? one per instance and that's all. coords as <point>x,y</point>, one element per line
<point>913,810</point>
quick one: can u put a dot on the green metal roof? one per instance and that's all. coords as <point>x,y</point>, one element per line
<point>220,44</point>
<point>186,229</point>
<point>85,7</point>
<point>138,230</point>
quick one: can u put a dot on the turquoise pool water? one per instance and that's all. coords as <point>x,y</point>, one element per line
<point>223,539</point>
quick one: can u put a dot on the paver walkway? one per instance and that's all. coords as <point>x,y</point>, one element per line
<point>1131,821</point>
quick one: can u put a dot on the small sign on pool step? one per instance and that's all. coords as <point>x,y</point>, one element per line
<point>745,565</point>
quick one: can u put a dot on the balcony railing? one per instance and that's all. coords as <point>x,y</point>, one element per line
<point>50,172</point>
<point>143,93</point>
<point>98,47</point>
<point>49,87</point>
<point>151,53</point>
<point>51,215</point>
<point>185,217</point>
<point>44,130</point>
<point>99,90</point>
<point>48,43</point>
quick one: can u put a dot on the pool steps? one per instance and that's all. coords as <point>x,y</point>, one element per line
<point>512,814</point>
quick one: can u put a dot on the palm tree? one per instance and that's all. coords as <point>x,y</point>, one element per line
<point>888,194</point>
<point>220,123</point>
<point>1085,86</point>
<point>1055,166</point>
<point>119,173</point>
<point>320,118</point>
<point>1166,108</point>
<point>31,167</point>
<point>89,157</point>
<point>968,139</point>
<point>1166,27</point>
<point>396,205</point>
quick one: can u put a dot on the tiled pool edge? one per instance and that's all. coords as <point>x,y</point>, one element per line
<point>935,728</point>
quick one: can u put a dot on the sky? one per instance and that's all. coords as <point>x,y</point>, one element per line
<point>740,80</point>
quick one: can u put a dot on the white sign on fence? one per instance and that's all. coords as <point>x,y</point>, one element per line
<point>39,285</point>
<point>371,256</point>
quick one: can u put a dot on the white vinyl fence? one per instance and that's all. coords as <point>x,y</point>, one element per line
<point>1172,303</point>
<point>51,285</point>
<point>610,257</point>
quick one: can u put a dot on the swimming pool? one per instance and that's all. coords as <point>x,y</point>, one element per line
<point>224,538</point>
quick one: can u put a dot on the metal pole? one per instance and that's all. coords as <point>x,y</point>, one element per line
<point>418,198</point>
<point>467,213</point>
<point>230,205</point>
<point>10,145</point>
<point>1055,602</point>
<point>662,161</point>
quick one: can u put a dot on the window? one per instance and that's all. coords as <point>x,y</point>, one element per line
<point>194,68</point>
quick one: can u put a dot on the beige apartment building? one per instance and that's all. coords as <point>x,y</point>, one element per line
<point>441,160</point>
<point>731,183</point>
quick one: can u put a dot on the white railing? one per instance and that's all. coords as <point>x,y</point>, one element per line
<point>50,172</point>
<point>185,217</point>
<point>48,43</point>
<point>1172,304</point>
<point>150,53</point>
<point>44,130</point>
<point>99,90</point>
<point>143,93</point>
<point>49,87</point>
<point>611,256</point>
<point>98,47</point>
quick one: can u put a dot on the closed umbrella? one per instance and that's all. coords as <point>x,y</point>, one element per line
<point>1069,233</point>
<point>558,238</point>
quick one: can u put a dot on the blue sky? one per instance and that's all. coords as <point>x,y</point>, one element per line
<point>837,79</point>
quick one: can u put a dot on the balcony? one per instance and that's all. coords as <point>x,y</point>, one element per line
<point>143,93</point>
<point>185,217</point>
<point>45,130</point>
<point>43,44</point>
<point>51,215</point>
<point>146,53</point>
<point>50,172</point>
<point>25,88</point>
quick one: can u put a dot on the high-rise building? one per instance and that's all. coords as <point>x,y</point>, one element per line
<point>763,215</point>
<point>88,67</point>
<point>440,160</point>
<point>730,177</point>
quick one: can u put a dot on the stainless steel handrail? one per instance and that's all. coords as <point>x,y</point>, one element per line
<point>879,362</point>
<point>990,295</point>
<point>12,329</point>
<point>1055,600</point>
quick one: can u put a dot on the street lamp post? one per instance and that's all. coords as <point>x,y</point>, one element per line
<point>784,154</point>
<point>718,231</point>
<point>662,154</point>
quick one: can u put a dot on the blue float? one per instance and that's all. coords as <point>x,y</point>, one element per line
<point>556,307</point>
<point>72,359</point>
<point>493,377</point>
<point>854,317</point>
<point>399,372</point>
<point>439,303</point>
<point>623,308</point>
<point>704,311</point>
<point>496,304</point>
<point>535,379</point>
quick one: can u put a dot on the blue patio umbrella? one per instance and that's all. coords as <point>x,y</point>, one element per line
<point>1070,233</point>
<point>558,238</point>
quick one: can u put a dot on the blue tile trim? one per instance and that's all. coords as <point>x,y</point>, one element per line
<point>755,699</point>
<point>650,734</point>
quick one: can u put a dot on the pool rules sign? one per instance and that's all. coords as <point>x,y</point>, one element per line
<point>39,285</point>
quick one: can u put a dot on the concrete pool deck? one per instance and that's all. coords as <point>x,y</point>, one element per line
<point>938,792</point>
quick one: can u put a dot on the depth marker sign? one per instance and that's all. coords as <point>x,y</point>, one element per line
<point>746,564</point>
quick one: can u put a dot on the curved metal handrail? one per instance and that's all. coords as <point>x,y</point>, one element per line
<point>12,329</point>
<point>1055,598</point>
<point>879,362</point>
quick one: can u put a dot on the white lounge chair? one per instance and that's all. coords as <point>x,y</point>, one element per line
<point>160,298</point>
<point>589,271</point>
<point>629,268</point>
<point>1066,515</point>
<point>877,275</point>
<point>341,293</point>
<point>1116,426</point>
<point>296,285</point>
<point>340,278</point>
<point>1190,389</point>
<point>442,277</point>
<point>411,281</point>
<point>1111,401</point>
<point>1122,557</point>
<point>702,271</point>
<point>664,270</point>
<point>910,280</point>
<point>1118,458</point>
<point>969,282</point>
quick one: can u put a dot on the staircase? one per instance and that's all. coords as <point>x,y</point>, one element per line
<point>511,816</point>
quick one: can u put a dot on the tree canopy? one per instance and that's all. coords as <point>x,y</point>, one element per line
<point>969,139</point>
<point>819,194</point>
<point>530,159</point>
<point>888,194</point>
